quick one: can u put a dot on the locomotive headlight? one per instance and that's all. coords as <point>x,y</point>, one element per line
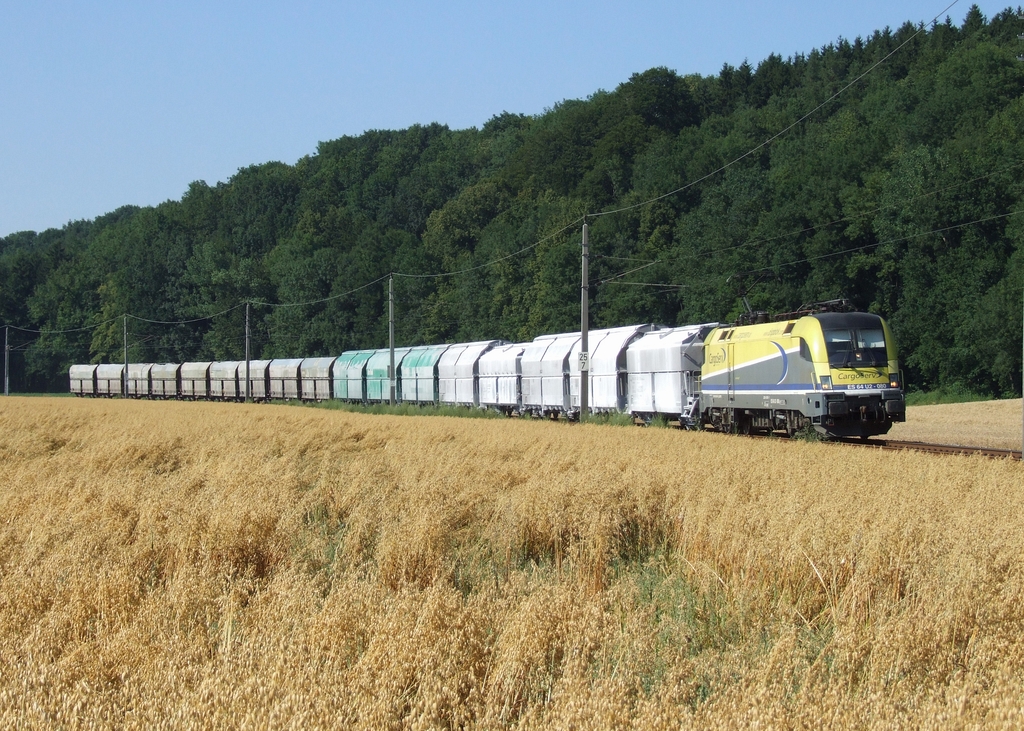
<point>894,380</point>
<point>826,383</point>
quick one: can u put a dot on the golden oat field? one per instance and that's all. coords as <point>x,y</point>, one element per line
<point>190,565</point>
<point>993,424</point>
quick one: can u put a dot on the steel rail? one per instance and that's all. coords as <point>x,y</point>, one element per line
<point>957,449</point>
<point>892,445</point>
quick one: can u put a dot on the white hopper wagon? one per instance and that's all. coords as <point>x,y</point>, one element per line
<point>109,379</point>
<point>164,380</point>
<point>259,379</point>
<point>545,364</point>
<point>607,382</point>
<point>285,379</point>
<point>500,378</point>
<point>139,383</point>
<point>457,372</point>
<point>316,378</point>
<point>83,380</point>
<point>224,381</point>
<point>195,380</point>
<point>664,373</point>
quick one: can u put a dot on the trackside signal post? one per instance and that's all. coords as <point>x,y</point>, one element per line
<point>584,323</point>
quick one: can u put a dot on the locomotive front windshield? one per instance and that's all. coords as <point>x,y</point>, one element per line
<point>856,348</point>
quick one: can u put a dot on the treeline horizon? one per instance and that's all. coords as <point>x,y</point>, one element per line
<point>901,194</point>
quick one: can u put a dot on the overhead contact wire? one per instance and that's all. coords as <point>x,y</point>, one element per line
<point>69,330</point>
<point>834,253</point>
<point>534,245</point>
<point>185,322</point>
<point>321,300</point>
<point>779,134</point>
<point>882,243</point>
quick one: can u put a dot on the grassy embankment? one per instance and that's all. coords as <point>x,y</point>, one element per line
<point>210,565</point>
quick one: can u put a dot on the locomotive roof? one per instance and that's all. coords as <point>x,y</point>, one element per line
<point>836,320</point>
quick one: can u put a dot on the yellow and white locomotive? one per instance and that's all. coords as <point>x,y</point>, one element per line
<point>836,372</point>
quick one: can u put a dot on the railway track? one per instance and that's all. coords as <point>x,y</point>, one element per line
<point>892,445</point>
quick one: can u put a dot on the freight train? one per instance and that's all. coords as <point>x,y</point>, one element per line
<point>834,372</point>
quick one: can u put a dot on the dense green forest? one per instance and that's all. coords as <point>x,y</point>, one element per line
<point>901,193</point>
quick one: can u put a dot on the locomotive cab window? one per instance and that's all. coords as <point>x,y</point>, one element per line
<point>855,348</point>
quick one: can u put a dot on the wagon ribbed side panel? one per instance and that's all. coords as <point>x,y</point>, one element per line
<point>378,374</point>
<point>446,376</point>
<point>83,379</point>
<point>316,376</point>
<point>418,374</point>
<point>663,367</point>
<point>554,372</point>
<point>285,378</point>
<point>195,380</point>
<point>350,375</point>
<point>224,380</point>
<point>109,379</point>
<point>139,383</point>
<point>532,373</point>
<point>500,375</point>
<point>259,379</point>
<point>608,374</point>
<point>467,371</point>
<point>165,380</point>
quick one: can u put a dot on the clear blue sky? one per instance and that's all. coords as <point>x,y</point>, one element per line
<point>109,103</point>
